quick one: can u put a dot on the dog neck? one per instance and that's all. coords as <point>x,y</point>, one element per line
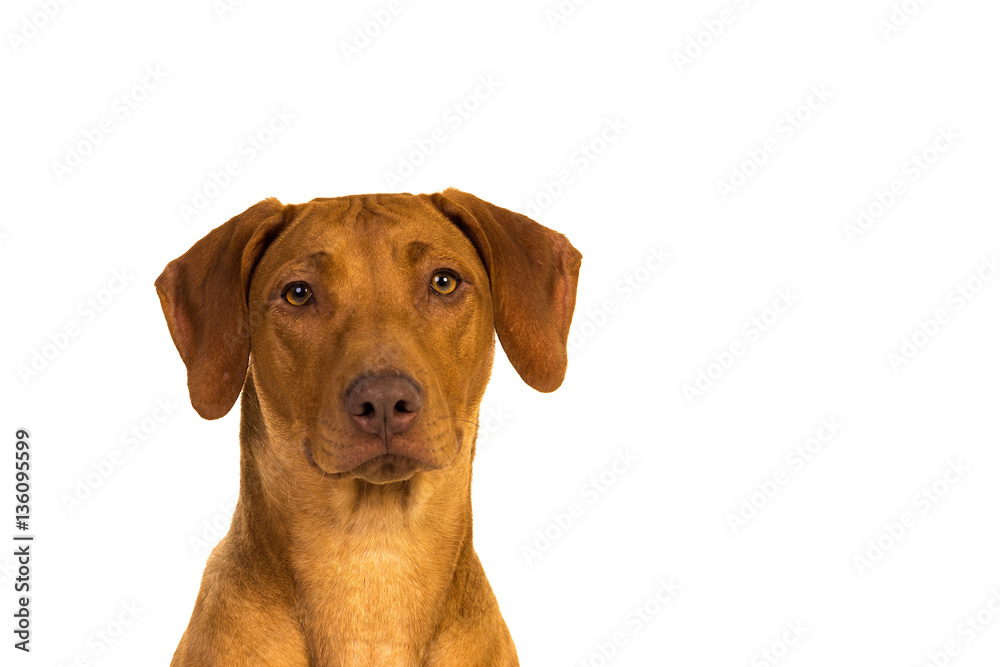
<point>373,567</point>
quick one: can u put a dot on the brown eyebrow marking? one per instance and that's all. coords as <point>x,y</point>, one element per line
<point>315,261</point>
<point>317,258</point>
<point>415,250</point>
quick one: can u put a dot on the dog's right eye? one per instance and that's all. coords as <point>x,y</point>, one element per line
<point>298,294</point>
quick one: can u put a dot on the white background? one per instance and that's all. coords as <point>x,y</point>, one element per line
<point>684,127</point>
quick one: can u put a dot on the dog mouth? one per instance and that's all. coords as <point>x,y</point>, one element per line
<point>386,468</point>
<point>380,469</point>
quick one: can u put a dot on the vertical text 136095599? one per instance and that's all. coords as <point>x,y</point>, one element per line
<point>22,548</point>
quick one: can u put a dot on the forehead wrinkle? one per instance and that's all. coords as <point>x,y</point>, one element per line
<point>306,230</point>
<point>319,213</point>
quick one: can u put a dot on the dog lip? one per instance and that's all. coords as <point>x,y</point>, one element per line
<point>388,458</point>
<point>386,467</point>
<point>392,460</point>
<point>307,450</point>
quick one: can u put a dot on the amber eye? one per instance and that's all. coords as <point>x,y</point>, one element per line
<point>444,282</point>
<point>298,294</point>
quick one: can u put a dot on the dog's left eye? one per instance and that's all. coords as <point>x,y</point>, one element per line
<point>298,294</point>
<point>444,282</point>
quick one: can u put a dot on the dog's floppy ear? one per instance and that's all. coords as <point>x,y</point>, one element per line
<point>204,298</point>
<point>533,272</point>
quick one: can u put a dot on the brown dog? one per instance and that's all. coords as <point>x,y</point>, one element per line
<point>360,331</point>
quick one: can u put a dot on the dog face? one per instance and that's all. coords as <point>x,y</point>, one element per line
<point>369,322</point>
<point>372,336</point>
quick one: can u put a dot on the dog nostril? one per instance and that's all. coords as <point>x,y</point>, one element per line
<point>383,404</point>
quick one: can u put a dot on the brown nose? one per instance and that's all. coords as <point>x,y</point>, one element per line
<point>383,404</point>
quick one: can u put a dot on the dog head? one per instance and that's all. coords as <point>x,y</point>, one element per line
<point>369,322</point>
